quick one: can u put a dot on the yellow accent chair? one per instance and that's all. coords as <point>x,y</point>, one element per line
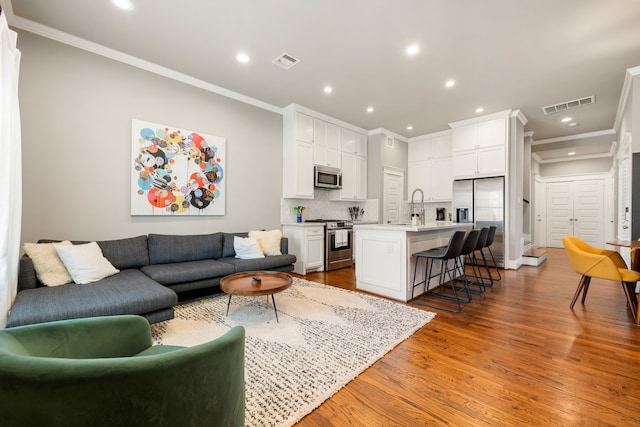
<point>601,264</point>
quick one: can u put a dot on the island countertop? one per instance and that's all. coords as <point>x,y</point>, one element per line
<point>429,226</point>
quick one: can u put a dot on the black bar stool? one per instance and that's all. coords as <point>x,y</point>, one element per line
<point>469,245</point>
<point>490,238</point>
<point>479,261</point>
<point>452,251</point>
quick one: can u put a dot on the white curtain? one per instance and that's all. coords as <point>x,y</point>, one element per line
<point>10,169</point>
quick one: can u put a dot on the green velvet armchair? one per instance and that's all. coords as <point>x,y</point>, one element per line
<point>104,371</point>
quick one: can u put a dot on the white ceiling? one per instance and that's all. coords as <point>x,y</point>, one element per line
<point>503,54</point>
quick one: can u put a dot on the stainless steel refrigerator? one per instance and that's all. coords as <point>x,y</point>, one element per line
<point>481,201</point>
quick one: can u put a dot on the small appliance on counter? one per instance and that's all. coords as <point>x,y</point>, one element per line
<point>440,214</point>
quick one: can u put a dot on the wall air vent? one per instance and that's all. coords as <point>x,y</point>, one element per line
<point>286,61</point>
<point>550,109</point>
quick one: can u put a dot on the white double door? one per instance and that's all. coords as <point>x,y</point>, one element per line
<point>575,208</point>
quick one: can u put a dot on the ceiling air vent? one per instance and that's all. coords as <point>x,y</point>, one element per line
<point>286,61</point>
<point>550,109</point>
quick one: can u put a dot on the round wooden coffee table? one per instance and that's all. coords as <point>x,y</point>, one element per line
<point>256,283</point>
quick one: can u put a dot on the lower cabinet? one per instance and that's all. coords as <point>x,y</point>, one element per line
<point>307,244</point>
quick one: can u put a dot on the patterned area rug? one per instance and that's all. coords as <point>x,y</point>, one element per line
<point>326,337</point>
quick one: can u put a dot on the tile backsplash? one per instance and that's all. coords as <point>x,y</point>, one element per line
<point>320,207</point>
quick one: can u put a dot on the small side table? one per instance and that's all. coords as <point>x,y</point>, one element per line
<point>269,283</point>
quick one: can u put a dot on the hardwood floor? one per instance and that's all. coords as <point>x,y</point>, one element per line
<point>516,355</point>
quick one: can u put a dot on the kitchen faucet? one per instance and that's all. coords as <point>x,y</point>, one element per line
<point>418,211</point>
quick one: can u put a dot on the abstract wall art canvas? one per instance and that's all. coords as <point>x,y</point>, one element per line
<point>176,171</point>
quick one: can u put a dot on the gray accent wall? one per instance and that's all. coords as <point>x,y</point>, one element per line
<point>76,111</point>
<point>379,156</point>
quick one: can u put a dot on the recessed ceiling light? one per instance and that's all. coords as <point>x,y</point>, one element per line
<point>571,153</point>
<point>123,4</point>
<point>450,83</point>
<point>328,89</point>
<point>566,119</point>
<point>370,110</point>
<point>573,124</point>
<point>409,127</point>
<point>479,110</point>
<point>413,49</point>
<point>243,57</point>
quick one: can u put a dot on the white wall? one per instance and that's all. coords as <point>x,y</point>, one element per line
<point>76,110</point>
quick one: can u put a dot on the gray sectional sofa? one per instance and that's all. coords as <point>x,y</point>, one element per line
<point>153,270</point>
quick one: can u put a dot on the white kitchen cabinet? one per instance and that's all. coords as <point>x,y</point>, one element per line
<point>306,242</point>
<point>491,160</point>
<point>312,138</point>
<point>326,144</point>
<point>430,167</point>
<point>441,180</point>
<point>433,177</point>
<point>353,142</point>
<point>479,149</point>
<point>492,133</point>
<point>314,249</point>
<point>361,178</point>
<point>297,155</point>
<point>480,162</point>
<point>303,170</point>
<point>354,179</point>
<point>304,127</point>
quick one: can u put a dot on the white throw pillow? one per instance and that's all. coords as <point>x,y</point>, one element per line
<point>49,267</point>
<point>85,263</point>
<point>269,241</point>
<point>247,248</point>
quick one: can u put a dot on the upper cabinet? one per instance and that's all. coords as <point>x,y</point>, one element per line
<point>354,167</point>
<point>354,142</point>
<point>430,166</point>
<point>479,146</point>
<point>326,144</point>
<point>304,127</point>
<point>311,138</point>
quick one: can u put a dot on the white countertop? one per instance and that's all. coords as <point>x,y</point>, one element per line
<point>429,226</point>
<point>303,224</point>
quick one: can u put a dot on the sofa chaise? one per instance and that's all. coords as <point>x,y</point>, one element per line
<point>154,269</point>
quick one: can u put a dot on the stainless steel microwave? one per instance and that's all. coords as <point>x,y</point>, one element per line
<point>327,177</point>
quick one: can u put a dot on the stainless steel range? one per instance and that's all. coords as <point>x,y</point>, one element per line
<point>338,243</point>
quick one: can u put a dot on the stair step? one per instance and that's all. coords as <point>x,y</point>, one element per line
<point>534,257</point>
<point>535,253</point>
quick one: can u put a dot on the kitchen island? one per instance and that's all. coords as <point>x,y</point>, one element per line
<point>384,264</point>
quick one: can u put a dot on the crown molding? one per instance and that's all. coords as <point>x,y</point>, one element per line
<point>80,43</point>
<point>624,96</point>
<point>576,136</point>
<point>388,133</point>
<point>431,135</point>
<point>480,119</point>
